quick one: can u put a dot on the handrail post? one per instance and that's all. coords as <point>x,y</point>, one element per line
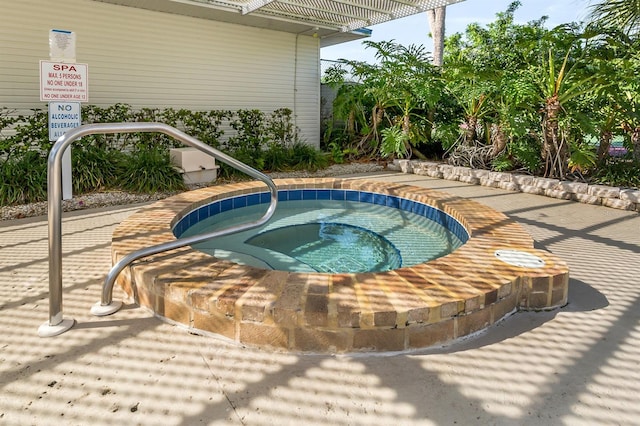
<point>57,324</point>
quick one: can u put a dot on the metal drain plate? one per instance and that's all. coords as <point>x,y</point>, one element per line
<point>519,258</point>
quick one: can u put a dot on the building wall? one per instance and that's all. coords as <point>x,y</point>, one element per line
<point>152,59</point>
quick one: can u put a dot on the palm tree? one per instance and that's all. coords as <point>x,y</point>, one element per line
<point>436,23</point>
<point>621,14</point>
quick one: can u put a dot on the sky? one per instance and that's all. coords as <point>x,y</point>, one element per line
<point>415,29</point>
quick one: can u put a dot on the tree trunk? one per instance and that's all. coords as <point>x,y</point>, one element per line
<point>377,114</point>
<point>351,123</point>
<point>498,140</point>
<point>470,130</point>
<point>555,151</point>
<point>406,125</point>
<point>436,23</point>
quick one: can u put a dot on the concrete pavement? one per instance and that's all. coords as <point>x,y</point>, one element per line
<point>576,365</point>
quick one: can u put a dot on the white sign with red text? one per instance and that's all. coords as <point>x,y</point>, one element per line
<point>64,82</point>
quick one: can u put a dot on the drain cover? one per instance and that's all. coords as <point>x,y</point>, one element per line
<point>519,258</point>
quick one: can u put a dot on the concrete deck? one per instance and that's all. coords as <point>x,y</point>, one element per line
<point>576,365</point>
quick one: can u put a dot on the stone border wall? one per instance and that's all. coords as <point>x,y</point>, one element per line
<point>617,198</point>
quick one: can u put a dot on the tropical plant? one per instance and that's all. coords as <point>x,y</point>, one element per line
<point>402,90</point>
<point>620,14</point>
<point>394,142</point>
<point>488,72</point>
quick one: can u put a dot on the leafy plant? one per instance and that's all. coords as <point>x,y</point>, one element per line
<point>280,128</point>
<point>204,125</point>
<point>23,179</point>
<point>502,163</point>
<point>619,173</point>
<point>7,123</point>
<point>337,153</point>
<point>394,142</point>
<point>306,157</point>
<point>525,152</point>
<point>583,158</point>
<point>250,128</point>
<point>155,115</point>
<point>276,157</point>
<point>117,113</point>
<point>150,170</point>
<point>95,168</point>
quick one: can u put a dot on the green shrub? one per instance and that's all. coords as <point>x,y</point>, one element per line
<point>526,153</point>
<point>118,113</point>
<point>502,163</point>
<point>306,157</point>
<point>251,132</point>
<point>619,173</point>
<point>204,125</point>
<point>280,128</point>
<point>7,122</point>
<point>95,168</point>
<point>276,157</point>
<point>23,179</point>
<point>150,170</point>
<point>99,161</point>
<point>154,115</point>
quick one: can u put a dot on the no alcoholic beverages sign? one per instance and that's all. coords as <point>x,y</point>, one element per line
<point>63,82</point>
<point>63,116</point>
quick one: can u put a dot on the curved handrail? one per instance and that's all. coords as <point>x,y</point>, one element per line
<point>56,324</point>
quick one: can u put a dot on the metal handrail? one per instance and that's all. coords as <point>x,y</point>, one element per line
<point>57,324</point>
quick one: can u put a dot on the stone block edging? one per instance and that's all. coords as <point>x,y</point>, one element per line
<point>601,195</point>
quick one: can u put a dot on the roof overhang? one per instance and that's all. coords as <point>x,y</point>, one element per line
<point>333,21</point>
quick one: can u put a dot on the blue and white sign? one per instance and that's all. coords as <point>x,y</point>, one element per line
<point>62,117</point>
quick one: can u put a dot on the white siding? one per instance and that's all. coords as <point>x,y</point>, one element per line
<point>308,89</point>
<point>153,59</point>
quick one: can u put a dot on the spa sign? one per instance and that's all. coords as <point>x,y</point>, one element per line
<point>61,81</point>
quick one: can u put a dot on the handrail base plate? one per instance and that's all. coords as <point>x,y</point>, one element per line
<point>48,330</point>
<point>100,310</point>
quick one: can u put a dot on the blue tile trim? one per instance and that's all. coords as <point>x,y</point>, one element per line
<point>226,205</point>
<point>253,199</point>
<point>295,195</point>
<point>352,196</point>
<point>379,199</point>
<point>338,195</point>
<point>265,197</point>
<point>239,202</point>
<point>309,194</point>
<point>366,197</point>
<point>392,201</point>
<point>324,194</point>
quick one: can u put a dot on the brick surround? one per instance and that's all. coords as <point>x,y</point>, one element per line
<point>411,307</point>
